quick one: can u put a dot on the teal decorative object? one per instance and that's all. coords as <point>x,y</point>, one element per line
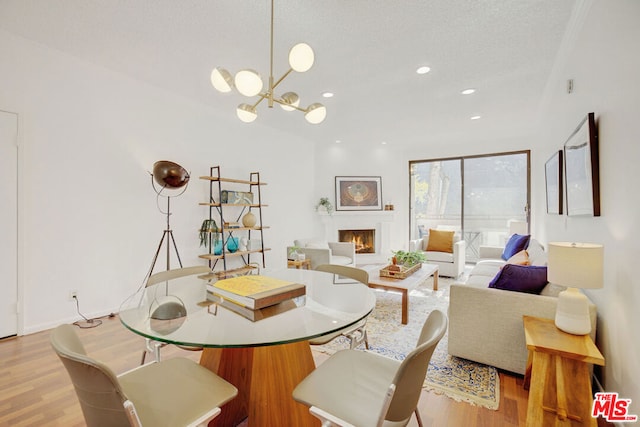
<point>232,244</point>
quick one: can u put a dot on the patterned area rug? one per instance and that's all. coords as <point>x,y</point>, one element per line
<point>456,378</point>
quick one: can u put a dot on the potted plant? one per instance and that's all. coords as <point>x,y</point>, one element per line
<point>324,204</point>
<point>409,258</point>
<point>208,227</point>
<point>294,255</point>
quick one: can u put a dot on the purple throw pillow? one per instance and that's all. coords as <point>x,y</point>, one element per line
<point>530,279</point>
<point>516,243</point>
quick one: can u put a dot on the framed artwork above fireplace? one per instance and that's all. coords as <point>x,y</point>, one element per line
<point>358,193</point>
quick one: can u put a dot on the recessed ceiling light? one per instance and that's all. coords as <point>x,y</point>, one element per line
<point>423,70</point>
<point>338,141</point>
<point>327,94</point>
<point>468,91</point>
<point>384,142</point>
<point>475,117</point>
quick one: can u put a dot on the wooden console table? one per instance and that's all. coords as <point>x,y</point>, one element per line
<point>558,375</point>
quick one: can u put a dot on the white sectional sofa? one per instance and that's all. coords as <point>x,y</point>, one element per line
<point>485,324</point>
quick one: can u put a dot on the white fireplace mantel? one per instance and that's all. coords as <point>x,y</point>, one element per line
<point>362,220</point>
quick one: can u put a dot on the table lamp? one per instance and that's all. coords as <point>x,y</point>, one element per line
<point>575,265</point>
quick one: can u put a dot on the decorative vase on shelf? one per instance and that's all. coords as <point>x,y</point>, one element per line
<point>232,244</point>
<point>249,219</point>
<point>217,247</point>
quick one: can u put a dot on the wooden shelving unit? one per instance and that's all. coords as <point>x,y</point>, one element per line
<point>221,212</point>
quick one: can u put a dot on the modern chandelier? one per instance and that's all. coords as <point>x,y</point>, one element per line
<point>249,83</point>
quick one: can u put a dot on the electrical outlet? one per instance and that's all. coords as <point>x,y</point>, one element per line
<point>73,295</point>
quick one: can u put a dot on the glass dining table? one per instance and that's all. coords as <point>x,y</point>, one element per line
<point>266,358</point>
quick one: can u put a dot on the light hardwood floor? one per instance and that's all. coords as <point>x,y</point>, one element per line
<point>35,389</point>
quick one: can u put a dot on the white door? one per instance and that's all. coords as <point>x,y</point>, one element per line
<point>8,224</point>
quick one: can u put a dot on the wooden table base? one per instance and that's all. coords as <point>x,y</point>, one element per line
<point>265,378</point>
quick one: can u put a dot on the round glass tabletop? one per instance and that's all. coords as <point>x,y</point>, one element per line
<point>329,305</point>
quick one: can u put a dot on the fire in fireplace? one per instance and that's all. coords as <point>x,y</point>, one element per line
<point>365,240</point>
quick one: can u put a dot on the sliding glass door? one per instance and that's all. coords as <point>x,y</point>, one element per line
<point>483,198</point>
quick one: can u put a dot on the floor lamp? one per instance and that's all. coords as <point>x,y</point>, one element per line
<point>171,176</point>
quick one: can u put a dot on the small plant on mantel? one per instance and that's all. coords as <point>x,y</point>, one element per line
<point>324,202</point>
<point>408,258</point>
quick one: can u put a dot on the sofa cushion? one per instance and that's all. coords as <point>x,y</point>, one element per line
<point>521,258</point>
<point>537,254</point>
<point>477,281</point>
<point>552,290</point>
<point>440,241</point>
<point>439,256</point>
<point>521,278</point>
<point>516,243</point>
<point>486,268</point>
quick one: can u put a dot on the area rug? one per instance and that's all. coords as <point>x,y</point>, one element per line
<point>456,378</point>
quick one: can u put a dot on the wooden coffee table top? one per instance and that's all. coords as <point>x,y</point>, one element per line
<point>402,285</point>
<point>409,283</point>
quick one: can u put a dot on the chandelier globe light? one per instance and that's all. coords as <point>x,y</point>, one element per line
<point>249,83</point>
<point>315,113</point>
<point>291,101</point>
<point>247,113</point>
<point>222,80</point>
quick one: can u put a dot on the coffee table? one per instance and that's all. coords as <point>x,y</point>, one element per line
<point>402,285</point>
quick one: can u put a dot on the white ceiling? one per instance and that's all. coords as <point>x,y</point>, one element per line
<point>367,52</point>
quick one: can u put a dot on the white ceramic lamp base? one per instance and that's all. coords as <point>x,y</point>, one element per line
<point>572,312</point>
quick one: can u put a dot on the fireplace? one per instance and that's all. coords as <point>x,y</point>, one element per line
<point>365,240</point>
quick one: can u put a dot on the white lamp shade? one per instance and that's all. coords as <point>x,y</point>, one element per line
<point>577,265</point>
<point>246,113</point>
<point>221,80</point>
<point>301,57</point>
<point>248,82</point>
<point>290,98</point>
<point>316,113</point>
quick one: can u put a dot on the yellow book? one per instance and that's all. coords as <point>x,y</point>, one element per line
<point>256,291</point>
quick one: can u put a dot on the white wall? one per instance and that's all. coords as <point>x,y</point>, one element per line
<point>354,160</point>
<point>604,65</point>
<point>88,216</point>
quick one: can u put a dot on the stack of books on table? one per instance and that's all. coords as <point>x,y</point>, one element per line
<point>244,294</point>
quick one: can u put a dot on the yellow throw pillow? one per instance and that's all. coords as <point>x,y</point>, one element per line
<point>521,258</point>
<point>440,241</point>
